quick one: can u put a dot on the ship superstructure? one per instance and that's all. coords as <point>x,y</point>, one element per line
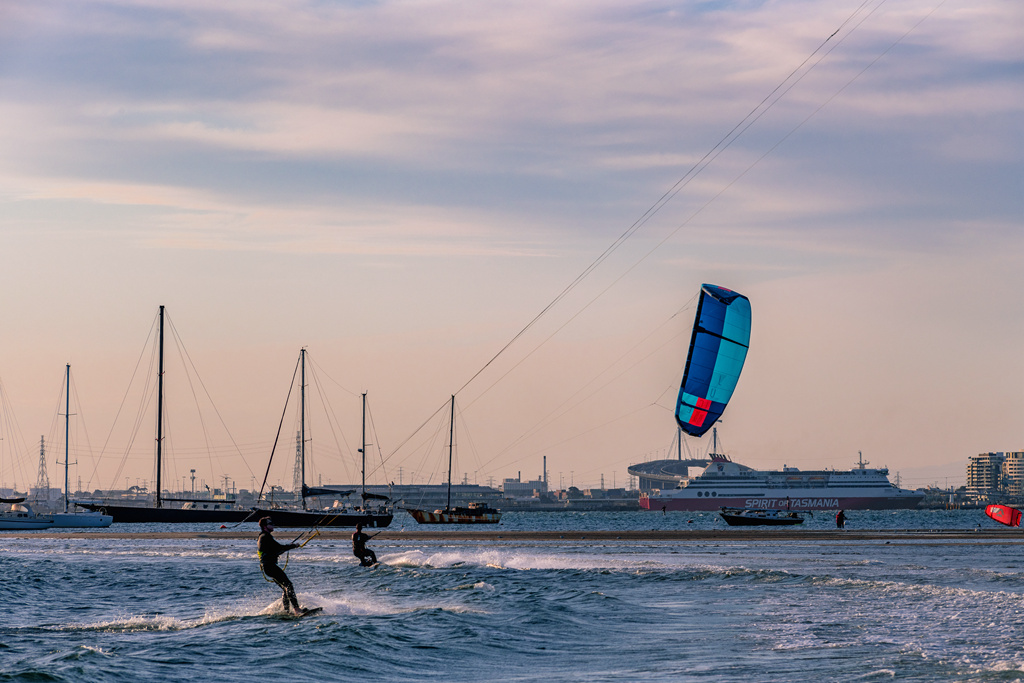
<point>725,483</point>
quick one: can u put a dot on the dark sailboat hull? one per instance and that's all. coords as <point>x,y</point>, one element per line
<point>455,517</point>
<point>310,518</point>
<point>131,514</point>
<point>748,517</point>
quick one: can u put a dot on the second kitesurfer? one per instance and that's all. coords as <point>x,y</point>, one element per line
<point>269,550</point>
<point>367,558</point>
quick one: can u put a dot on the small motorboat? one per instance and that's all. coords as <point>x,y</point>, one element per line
<point>755,517</point>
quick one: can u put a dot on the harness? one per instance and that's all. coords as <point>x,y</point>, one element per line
<point>287,556</point>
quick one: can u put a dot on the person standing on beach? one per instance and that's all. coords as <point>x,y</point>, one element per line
<point>269,550</point>
<point>367,558</point>
<point>840,520</point>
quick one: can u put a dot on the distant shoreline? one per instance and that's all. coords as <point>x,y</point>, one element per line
<point>499,535</point>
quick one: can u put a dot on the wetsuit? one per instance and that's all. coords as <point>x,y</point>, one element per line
<point>367,557</point>
<point>269,550</point>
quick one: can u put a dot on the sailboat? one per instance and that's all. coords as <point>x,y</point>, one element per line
<point>15,513</point>
<point>333,516</point>
<point>474,513</point>
<point>212,511</point>
<point>20,517</point>
<point>74,519</point>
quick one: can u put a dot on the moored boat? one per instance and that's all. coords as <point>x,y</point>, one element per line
<point>81,520</point>
<point>74,519</point>
<point>755,517</point>
<point>369,515</point>
<point>474,513</point>
<point>19,516</point>
<point>184,510</point>
<point>329,517</point>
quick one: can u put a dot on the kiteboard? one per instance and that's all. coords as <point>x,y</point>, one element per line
<point>304,613</point>
<point>1004,514</point>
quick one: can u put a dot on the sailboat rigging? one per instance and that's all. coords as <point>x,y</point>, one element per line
<point>474,513</point>
<point>190,512</point>
<point>333,516</point>
<point>68,519</point>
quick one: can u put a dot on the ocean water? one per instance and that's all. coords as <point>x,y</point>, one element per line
<point>84,608</point>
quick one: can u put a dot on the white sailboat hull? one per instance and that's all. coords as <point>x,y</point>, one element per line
<point>81,520</point>
<point>24,523</point>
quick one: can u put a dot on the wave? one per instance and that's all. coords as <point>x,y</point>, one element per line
<point>355,604</point>
<point>931,590</point>
<point>513,560</point>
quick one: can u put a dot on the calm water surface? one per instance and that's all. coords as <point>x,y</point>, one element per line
<point>83,608</point>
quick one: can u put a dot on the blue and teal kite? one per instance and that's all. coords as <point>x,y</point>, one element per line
<point>718,347</point>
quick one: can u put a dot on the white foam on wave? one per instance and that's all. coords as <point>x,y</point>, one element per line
<point>370,604</point>
<point>161,622</point>
<point>876,674</point>
<point>135,622</point>
<point>354,604</point>
<point>1007,666</point>
<point>968,595</point>
<point>478,586</point>
<point>511,559</point>
<point>794,636</point>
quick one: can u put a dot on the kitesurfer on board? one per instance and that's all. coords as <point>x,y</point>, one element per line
<point>269,550</point>
<point>367,558</point>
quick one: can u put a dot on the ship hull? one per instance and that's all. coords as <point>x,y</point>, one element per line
<point>737,517</point>
<point>81,520</point>
<point>324,518</point>
<point>817,501</point>
<point>441,517</point>
<point>9,524</point>
<point>130,514</point>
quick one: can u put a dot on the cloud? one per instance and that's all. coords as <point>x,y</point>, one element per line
<point>448,104</point>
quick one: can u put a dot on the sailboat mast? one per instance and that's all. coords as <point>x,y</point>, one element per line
<point>451,446</point>
<point>67,430</point>
<point>160,409</point>
<point>363,452</point>
<point>302,426</point>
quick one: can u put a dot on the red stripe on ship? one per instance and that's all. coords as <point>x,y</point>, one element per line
<point>714,504</point>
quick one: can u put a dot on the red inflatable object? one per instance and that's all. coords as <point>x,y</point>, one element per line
<point>1004,514</point>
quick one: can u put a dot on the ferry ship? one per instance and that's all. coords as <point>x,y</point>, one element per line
<point>725,483</point>
<point>718,351</point>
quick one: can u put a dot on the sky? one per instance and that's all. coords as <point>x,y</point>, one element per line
<point>498,201</point>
